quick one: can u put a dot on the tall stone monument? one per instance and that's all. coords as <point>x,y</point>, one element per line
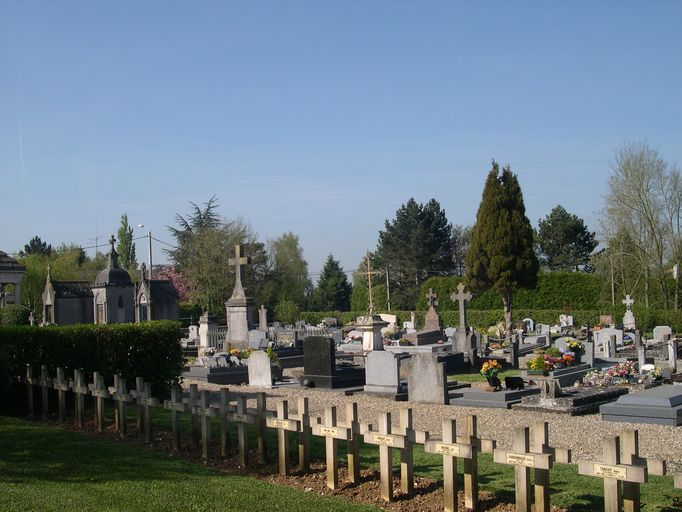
<point>465,341</point>
<point>432,321</point>
<point>239,307</point>
<point>629,317</point>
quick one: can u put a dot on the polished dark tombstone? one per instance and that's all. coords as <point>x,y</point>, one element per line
<point>321,370</point>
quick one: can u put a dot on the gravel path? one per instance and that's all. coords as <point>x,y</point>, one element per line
<point>580,433</point>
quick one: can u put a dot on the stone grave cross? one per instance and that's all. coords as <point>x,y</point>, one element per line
<point>45,383</point>
<point>451,450</point>
<point>62,386</point>
<point>176,405</point>
<point>613,473</point>
<point>332,432</point>
<point>100,392</point>
<point>284,425</point>
<point>628,302</point>
<point>462,298</point>
<point>431,298</point>
<point>206,412</point>
<point>523,460</point>
<point>239,261</point>
<point>81,391</point>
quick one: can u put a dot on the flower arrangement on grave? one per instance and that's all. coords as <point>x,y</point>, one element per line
<point>244,354</point>
<point>568,359</point>
<point>553,352</point>
<point>538,364</point>
<point>617,374</point>
<point>489,370</point>
<point>574,345</point>
<point>403,342</point>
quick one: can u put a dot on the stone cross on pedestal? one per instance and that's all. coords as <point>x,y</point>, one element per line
<point>263,318</point>
<point>462,298</point>
<point>431,298</point>
<point>239,261</point>
<point>628,302</point>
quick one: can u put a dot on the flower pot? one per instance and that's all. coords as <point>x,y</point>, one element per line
<point>494,382</point>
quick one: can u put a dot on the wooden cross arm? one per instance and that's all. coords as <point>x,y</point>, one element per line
<point>623,472</point>
<point>303,419</point>
<point>175,406</point>
<point>209,412</point>
<point>392,440</point>
<point>529,460</point>
<point>239,417</point>
<point>62,386</point>
<point>485,445</point>
<point>337,432</point>
<point>465,451</point>
<point>100,393</point>
<point>47,382</point>
<point>653,466</point>
<point>365,428</point>
<point>151,402</point>
<point>123,397</point>
<point>289,424</point>
<point>81,390</point>
<point>562,455</point>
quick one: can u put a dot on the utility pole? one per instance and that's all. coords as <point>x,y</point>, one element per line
<point>388,292</point>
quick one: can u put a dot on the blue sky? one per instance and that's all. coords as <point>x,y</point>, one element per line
<point>320,118</point>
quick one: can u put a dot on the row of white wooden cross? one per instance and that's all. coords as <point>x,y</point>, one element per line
<point>622,469</point>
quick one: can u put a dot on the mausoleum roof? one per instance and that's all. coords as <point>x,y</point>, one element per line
<point>113,275</point>
<point>9,263</point>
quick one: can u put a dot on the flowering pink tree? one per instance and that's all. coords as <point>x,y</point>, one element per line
<point>183,285</point>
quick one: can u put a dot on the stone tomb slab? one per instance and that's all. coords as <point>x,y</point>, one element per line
<point>218,375</point>
<point>573,401</point>
<point>566,376</point>
<point>661,405</point>
<point>497,399</point>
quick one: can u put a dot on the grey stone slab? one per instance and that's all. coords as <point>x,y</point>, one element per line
<point>260,369</point>
<point>256,338</point>
<point>427,380</point>
<point>499,399</point>
<point>660,331</point>
<point>660,405</point>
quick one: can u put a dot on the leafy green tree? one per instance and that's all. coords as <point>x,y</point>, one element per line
<point>288,277</point>
<point>287,311</point>
<point>461,235</point>
<point>333,290</point>
<point>205,243</point>
<point>126,248</point>
<point>501,254</point>
<point>565,242</point>
<point>416,244</point>
<point>36,246</point>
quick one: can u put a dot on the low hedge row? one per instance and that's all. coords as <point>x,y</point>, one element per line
<point>482,319</point>
<point>151,350</point>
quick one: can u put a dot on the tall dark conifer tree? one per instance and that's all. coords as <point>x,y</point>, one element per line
<point>333,290</point>
<point>501,254</point>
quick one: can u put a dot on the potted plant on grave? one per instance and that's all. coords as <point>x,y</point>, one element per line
<point>576,347</point>
<point>537,366</point>
<point>489,370</point>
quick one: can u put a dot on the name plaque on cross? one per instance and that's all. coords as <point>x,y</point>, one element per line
<point>520,459</point>
<point>608,471</point>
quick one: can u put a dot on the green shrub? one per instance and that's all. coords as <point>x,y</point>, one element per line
<point>150,350</point>
<point>14,314</point>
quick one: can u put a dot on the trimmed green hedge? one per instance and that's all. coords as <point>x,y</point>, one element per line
<point>151,350</point>
<point>14,314</point>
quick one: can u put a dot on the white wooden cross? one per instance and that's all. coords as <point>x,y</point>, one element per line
<point>243,417</point>
<point>630,455</point>
<point>284,425</point>
<point>462,298</point>
<point>541,475</point>
<point>223,409</point>
<point>62,386</point>
<point>45,383</point>
<point>613,473</point>
<point>122,397</point>
<point>470,436</point>
<point>138,395</point>
<point>29,390</point>
<point>192,402</point>
<point>148,401</point>
<point>206,412</point>
<point>451,450</point>
<point>100,392</point>
<point>303,417</point>
<point>332,432</point>
<point>523,460</point>
<point>176,405</point>
<point>81,391</point>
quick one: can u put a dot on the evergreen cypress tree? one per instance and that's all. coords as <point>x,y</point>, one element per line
<point>333,289</point>
<point>501,254</point>
<point>126,248</point>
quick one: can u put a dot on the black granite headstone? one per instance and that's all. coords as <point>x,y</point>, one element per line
<point>319,356</point>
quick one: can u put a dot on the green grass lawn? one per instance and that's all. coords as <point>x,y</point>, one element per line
<point>43,467</point>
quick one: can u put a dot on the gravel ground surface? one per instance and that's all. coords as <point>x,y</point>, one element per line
<point>580,433</point>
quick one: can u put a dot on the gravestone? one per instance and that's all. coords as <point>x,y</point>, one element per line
<point>605,320</point>
<point>588,356</point>
<point>565,320</point>
<point>660,331</point>
<point>602,336</point>
<point>258,339</point>
<point>673,354</point>
<point>432,320</point>
<point>260,369</point>
<point>629,317</point>
<point>427,380</point>
<point>542,329</point>
<point>239,307</point>
<point>610,347</point>
<point>371,326</point>
<point>262,318</point>
<point>319,366</point>
<point>193,333</point>
<point>529,323</point>
<point>383,374</point>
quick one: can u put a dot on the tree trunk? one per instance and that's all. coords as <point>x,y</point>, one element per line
<point>507,302</point>
<point>646,287</point>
